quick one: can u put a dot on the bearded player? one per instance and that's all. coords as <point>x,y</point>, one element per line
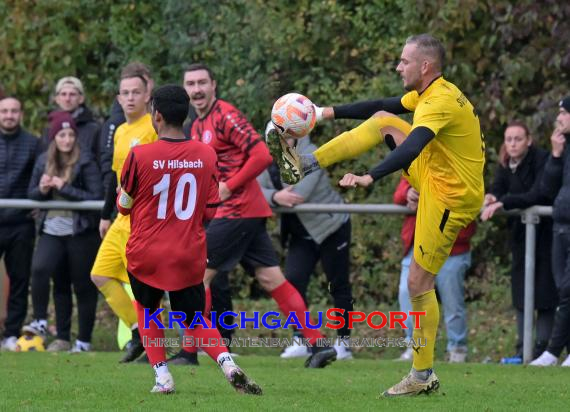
<point>442,157</point>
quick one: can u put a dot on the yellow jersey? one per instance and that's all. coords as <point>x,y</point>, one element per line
<point>456,156</point>
<point>127,136</point>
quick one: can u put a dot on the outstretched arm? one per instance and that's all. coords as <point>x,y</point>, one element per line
<point>362,110</point>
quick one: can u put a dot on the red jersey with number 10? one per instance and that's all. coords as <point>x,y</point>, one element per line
<point>174,187</point>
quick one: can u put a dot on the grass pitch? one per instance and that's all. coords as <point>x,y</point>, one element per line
<point>95,381</point>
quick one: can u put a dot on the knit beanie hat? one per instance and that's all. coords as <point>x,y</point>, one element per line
<point>59,121</point>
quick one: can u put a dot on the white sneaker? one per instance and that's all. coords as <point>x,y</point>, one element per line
<point>407,355</point>
<point>81,347</point>
<point>343,352</point>
<point>296,350</point>
<point>164,384</point>
<point>546,359</point>
<point>566,363</point>
<point>9,344</point>
<point>458,355</point>
<point>411,386</point>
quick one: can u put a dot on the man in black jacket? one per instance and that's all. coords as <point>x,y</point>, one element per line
<point>70,97</point>
<point>18,152</point>
<point>556,184</point>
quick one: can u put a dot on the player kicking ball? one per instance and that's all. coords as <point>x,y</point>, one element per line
<point>170,189</point>
<point>442,157</point>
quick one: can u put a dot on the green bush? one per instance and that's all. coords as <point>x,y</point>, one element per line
<point>509,57</point>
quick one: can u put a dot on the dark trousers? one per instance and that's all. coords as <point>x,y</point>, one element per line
<point>188,300</point>
<point>17,247</point>
<point>543,329</point>
<point>222,300</point>
<point>334,253</point>
<point>68,261</point>
<point>561,270</point>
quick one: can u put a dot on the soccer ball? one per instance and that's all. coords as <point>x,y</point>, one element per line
<point>30,343</point>
<point>293,115</point>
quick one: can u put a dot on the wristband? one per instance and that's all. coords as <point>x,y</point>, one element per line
<point>318,112</point>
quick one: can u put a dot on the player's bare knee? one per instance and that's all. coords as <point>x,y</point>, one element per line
<point>269,277</point>
<point>99,281</point>
<point>419,280</point>
<point>383,113</point>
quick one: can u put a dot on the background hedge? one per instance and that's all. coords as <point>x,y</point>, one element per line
<point>511,58</point>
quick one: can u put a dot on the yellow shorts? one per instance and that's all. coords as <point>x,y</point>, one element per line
<point>437,227</point>
<point>111,260</point>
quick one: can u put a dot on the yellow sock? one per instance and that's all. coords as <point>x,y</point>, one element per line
<point>423,356</point>
<point>119,301</point>
<point>358,140</point>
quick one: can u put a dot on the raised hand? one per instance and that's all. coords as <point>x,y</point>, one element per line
<point>57,182</point>
<point>45,184</point>
<point>558,142</point>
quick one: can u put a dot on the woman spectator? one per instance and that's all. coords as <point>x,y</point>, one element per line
<point>68,240</point>
<point>517,186</point>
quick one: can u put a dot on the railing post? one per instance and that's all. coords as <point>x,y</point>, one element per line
<point>530,218</point>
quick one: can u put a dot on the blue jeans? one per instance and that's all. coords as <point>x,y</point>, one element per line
<point>449,284</point>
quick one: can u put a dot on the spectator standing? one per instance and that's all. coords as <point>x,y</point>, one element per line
<point>18,152</point>
<point>556,184</point>
<point>70,97</point>
<point>517,186</point>
<point>313,237</point>
<point>68,240</point>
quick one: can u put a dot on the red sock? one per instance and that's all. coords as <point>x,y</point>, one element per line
<point>289,300</point>
<point>189,349</point>
<point>155,352</point>
<point>211,336</point>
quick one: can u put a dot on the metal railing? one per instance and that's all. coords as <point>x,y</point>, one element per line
<point>530,217</point>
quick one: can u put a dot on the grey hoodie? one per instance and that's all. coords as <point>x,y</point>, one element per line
<point>315,188</point>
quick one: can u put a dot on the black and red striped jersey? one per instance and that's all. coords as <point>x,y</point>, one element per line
<point>242,156</point>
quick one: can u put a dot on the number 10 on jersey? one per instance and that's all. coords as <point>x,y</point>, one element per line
<point>182,212</point>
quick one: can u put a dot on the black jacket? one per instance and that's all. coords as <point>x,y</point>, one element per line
<point>106,141</point>
<point>88,132</point>
<point>86,185</point>
<point>556,185</point>
<point>18,152</point>
<point>521,190</point>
